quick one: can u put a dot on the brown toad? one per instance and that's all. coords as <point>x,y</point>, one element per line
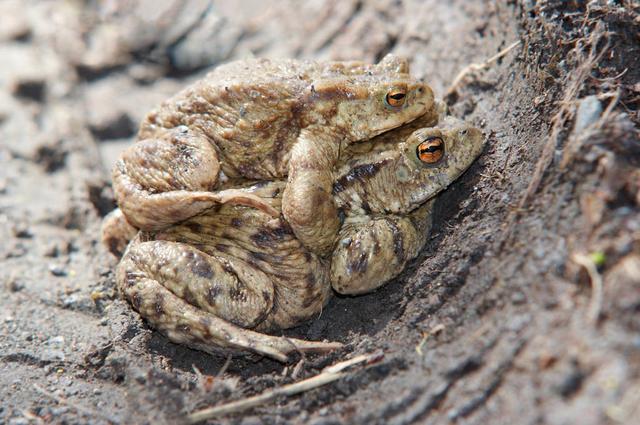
<point>217,280</point>
<point>263,119</point>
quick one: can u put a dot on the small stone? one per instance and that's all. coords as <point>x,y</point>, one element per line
<point>589,112</point>
<point>70,301</point>
<point>30,89</point>
<point>518,298</point>
<point>119,126</point>
<point>17,250</point>
<point>59,411</point>
<point>569,383</point>
<point>14,284</point>
<point>53,355</point>
<point>51,250</point>
<point>57,248</point>
<point>57,270</point>
<point>56,340</point>
<point>139,376</point>
<point>22,231</point>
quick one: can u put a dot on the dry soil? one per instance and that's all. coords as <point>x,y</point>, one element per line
<point>524,306</point>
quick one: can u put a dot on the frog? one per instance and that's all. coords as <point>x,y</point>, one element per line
<point>223,281</point>
<point>263,119</point>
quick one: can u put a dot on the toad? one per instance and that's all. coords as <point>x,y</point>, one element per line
<point>219,280</point>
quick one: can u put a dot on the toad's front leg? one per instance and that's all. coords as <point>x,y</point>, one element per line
<point>307,202</point>
<point>203,301</point>
<point>368,254</point>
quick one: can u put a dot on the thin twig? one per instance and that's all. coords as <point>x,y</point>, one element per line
<point>595,305</point>
<point>207,382</point>
<point>79,407</point>
<point>328,375</point>
<point>478,67</point>
<point>297,369</point>
<point>224,367</point>
<point>611,78</point>
<point>425,335</point>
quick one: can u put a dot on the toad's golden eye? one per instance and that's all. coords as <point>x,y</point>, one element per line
<point>431,150</point>
<point>395,97</point>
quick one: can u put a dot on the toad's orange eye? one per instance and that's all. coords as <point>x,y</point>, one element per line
<point>431,150</point>
<point>395,98</point>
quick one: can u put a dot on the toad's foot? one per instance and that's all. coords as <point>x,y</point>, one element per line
<point>275,347</point>
<point>240,197</point>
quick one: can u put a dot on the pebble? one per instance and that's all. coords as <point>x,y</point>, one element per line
<point>589,112</point>
<point>57,270</point>
<point>518,298</point>
<point>70,301</point>
<point>59,411</point>
<point>15,285</point>
<point>56,340</point>
<point>22,231</point>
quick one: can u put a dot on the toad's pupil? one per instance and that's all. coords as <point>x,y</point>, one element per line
<point>431,151</point>
<point>395,98</point>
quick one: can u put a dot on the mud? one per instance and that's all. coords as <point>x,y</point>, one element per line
<point>497,321</point>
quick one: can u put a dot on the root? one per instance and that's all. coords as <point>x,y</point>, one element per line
<point>328,375</point>
<point>595,305</point>
<point>471,68</point>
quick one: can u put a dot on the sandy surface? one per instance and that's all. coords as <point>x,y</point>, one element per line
<point>497,321</point>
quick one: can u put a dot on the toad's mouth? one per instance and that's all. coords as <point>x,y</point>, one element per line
<point>390,124</point>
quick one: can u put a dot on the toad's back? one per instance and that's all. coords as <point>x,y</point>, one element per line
<point>249,110</point>
<point>262,120</point>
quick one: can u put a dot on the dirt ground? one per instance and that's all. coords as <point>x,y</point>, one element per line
<point>524,306</point>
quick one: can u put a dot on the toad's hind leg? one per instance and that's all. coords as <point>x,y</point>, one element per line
<point>165,179</point>
<point>202,301</point>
